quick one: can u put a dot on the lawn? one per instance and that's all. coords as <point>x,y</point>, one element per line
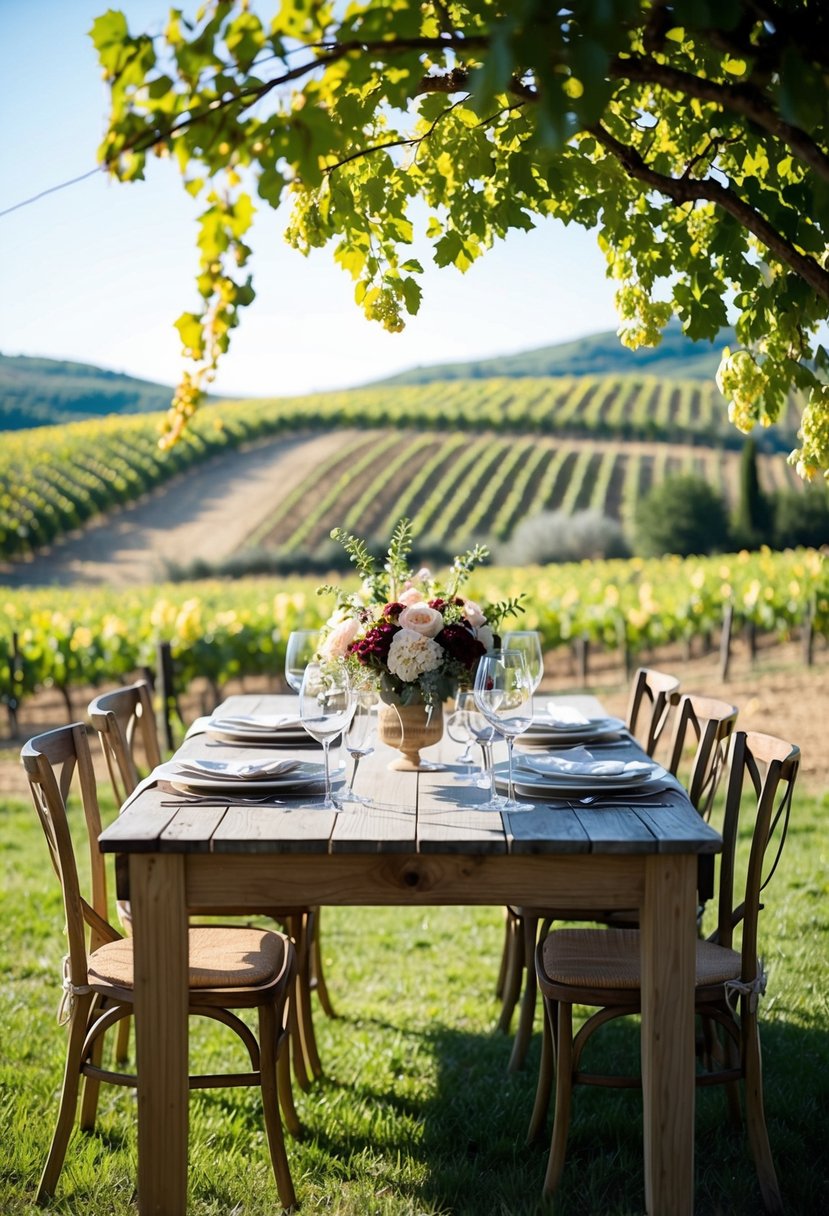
<point>416,1114</point>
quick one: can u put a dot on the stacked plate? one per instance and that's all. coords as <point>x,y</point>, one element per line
<point>245,777</point>
<point>272,730</point>
<point>537,776</point>
<point>563,725</point>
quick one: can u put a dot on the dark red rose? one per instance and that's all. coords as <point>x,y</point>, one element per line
<point>438,604</point>
<point>372,649</point>
<point>393,610</point>
<point>460,644</point>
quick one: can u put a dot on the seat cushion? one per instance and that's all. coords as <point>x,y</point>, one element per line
<point>220,957</point>
<point>609,958</point>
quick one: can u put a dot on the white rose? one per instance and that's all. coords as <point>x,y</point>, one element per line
<point>422,619</point>
<point>410,596</point>
<point>485,636</point>
<point>411,654</point>
<point>474,614</point>
<point>339,639</point>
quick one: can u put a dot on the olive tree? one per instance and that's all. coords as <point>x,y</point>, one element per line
<point>692,135</point>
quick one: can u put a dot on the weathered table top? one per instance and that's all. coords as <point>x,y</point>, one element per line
<point>420,813</point>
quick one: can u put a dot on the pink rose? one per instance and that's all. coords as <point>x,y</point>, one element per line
<point>474,614</point>
<point>422,619</point>
<point>338,640</point>
<point>411,596</point>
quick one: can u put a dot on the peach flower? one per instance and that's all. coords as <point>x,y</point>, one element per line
<point>338,640</point>
<point>474,614</point>
<point>410,596</point>
<point>421,619</point>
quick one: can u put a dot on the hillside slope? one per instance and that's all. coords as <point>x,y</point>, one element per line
<point>676,357</point>
<point>44,392</point>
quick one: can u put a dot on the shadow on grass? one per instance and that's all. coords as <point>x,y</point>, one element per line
<point>473,1126</point>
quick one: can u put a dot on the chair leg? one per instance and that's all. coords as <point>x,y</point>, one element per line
<point>269,1031</point>
<point>304,1012</point>
<point>122,1042</point>
<point>317,973</point>
<point>515,964</point>
<point>91,1085</point>
<point>526,1021</point>
<point>296,929</point>
<point>285,1089</point>
<point>545,1077</point>
<point>68,1099</point>
<point>502,966</point>
<point>564,1094</point>
<point>758,1136</point>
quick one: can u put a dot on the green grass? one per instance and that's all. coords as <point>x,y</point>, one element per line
<point>416,1114</point>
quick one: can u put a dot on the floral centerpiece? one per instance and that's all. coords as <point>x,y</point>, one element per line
<point>415,637</point>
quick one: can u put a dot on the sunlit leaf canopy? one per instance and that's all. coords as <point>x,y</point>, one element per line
<point>693,136</point>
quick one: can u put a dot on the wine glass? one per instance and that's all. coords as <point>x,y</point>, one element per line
<point>358,740</point>
<point>528,643</point>
<point>457,727</point>
<point>482,730</point>
<point>301,650</point>
<point>325,707</point>
<point>504,695</point>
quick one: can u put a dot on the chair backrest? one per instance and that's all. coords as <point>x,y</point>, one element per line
<point>760,786</point>
<point>58,763</point>
<point>122,719</point>
<point>652,696</point>
<point>711,723</point>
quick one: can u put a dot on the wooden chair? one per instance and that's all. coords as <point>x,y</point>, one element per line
<point>708,724</point>
<point>652,696</point>
<point>123,719</point>
<point>230,968</point>
<point>600,968</point>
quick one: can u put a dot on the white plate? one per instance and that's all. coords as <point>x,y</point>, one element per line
<point>305,778</point>
<point>284,737</point>
<point>542,733</point>
<point>532,784</point>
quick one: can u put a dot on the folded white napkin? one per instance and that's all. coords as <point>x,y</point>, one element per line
<point>234,770</point>
<point>566,715</point>
<point>579,761</point>
<point>266,723</point>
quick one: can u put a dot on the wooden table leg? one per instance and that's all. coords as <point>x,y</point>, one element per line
<point>160,953</point>
<point>668,954</point>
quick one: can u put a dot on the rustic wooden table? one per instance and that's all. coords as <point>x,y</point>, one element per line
<point>423,844</point>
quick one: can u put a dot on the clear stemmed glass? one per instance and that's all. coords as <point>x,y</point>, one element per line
<point>325,707</point>
<point>358,740</point>
<point>485,734</point>
<point>504,695</point>
<point>528,643</point>
<point>301,650</point>
<point>457,727</point>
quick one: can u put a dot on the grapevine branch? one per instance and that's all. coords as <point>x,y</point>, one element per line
<point>685,189</point>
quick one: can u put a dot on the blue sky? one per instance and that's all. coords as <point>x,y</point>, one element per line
<point>99,271</point>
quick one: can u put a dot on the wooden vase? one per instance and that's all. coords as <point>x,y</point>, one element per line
<point>408,728</point>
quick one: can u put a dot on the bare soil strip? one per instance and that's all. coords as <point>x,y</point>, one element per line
<point>205,513</point>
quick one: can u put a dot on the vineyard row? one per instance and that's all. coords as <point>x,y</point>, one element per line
<point>221,631</point>
<point>53,479</point>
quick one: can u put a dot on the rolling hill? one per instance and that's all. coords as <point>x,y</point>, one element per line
<point>44,392</point>
<point>676,358</point>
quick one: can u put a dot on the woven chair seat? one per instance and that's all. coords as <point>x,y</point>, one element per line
<point>219,958</point>
<point>609,958</point>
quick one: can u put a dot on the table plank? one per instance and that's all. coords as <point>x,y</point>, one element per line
<point>273,829</point>
<point>546,830</point>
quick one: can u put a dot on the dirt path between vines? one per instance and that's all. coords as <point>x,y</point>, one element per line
<point>206,513</point>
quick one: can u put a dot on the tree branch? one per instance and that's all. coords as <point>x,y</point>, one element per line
<point>745,100</point>
<point>686,189</point>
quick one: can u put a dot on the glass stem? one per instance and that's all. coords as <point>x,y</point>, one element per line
<point>326,743</point>
<point>486,748</point>
<point>510,741</point>
<point>355,756</point>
